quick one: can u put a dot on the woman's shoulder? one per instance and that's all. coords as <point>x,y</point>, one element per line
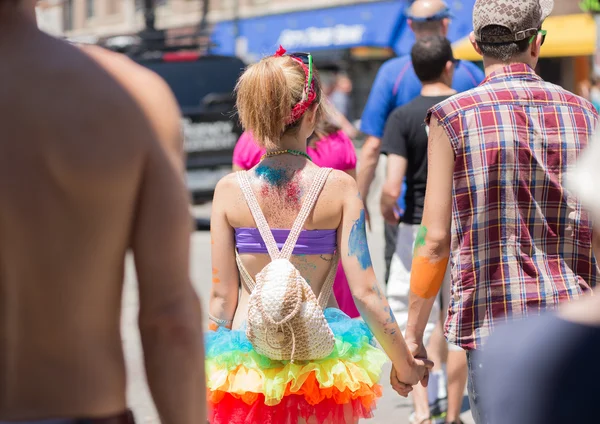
<point>341,183</point>
<point>226,184</point>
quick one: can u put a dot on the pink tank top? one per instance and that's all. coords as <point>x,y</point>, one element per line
<point>334,151</point>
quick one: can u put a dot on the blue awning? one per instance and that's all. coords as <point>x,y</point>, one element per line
<point>461,25</point>
<point>373,24</point>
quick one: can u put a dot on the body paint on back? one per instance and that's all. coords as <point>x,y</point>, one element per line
<point>278,179</point>
<point>357,242</point>
<point>275,177</point>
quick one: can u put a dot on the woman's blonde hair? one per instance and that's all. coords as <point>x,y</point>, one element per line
<point>266,94</point>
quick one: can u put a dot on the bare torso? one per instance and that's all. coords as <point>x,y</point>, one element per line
<point>70,169</point>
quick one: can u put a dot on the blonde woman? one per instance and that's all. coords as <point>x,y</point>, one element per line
<point>279,101</point>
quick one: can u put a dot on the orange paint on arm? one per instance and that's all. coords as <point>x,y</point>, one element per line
<point>212,326</point>
<point>215,279</point>
<point>426,276</point>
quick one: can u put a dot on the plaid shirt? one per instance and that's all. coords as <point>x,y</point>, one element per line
<point>521,243</point>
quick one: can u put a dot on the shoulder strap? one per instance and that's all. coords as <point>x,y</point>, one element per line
<point>259,217</point>
<point>327,289</point>
<point>245,277</point>
<point>309,203</point>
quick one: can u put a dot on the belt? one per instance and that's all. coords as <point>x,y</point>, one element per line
<point>123,418</point>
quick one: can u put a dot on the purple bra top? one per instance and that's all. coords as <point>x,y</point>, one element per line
<point>310,242</point>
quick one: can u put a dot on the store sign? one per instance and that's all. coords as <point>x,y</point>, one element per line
<point>339,35</point>
<point>204,136</point>
<point>590,6</point>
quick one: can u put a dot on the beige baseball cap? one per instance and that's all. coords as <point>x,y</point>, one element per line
<point>522,17</point>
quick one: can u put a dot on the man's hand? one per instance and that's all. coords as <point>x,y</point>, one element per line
<point>390,210</point>
<point>392,188</point>
<point>420,353</point>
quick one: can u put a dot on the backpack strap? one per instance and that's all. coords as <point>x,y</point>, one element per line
<point>259,217</point>
<point>327,288</point>
<point>309,203</point>
<point>245,277</point>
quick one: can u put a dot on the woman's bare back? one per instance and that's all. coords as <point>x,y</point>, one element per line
<point>280,188</point>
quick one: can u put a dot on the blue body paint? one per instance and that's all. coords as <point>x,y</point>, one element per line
<point>391,319</point>
<point>357,242</point>
<point>273,176</point>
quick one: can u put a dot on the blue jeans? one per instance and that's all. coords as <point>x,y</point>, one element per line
<point>475,368</point>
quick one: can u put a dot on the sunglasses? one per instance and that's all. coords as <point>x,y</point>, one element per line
<point>541,32</point>
<point>307,59</point>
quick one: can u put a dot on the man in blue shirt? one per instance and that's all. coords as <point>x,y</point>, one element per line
<point>397,84</point>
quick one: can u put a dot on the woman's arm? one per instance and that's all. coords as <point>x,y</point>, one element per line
<point>225,276</point>
<point>369,298</point>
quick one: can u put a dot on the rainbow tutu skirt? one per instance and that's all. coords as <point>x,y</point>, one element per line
<point>247,387</point>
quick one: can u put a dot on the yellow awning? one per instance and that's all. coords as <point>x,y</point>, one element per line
<point>568,35</point>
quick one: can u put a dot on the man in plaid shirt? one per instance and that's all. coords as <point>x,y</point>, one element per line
<point>496,205</point>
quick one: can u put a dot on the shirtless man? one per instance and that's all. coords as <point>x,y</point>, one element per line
<point>90,166</point>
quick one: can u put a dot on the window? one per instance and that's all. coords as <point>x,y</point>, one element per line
<point>90,8</point>
<point>68,15</point>
<point>140,4</point>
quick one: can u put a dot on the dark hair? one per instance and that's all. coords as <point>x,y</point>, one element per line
<point>503,52</point>
<point>430,26</point>
<point>429,57</point>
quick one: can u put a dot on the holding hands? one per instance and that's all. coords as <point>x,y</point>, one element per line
<point>404,378</point>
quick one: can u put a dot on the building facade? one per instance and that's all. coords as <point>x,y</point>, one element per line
<point>89,20</point>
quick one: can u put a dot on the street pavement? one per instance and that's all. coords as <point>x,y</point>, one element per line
<point>392,409</point>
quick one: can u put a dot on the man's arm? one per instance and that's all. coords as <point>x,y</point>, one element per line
<point>170,317</point>
<point>377,110</point>
<point>432,246</point>
<point>392,188</point>
<point>394,145</point>
<point>596,242</point>
<point>367,165</point>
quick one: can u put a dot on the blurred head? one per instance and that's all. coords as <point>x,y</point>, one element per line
<point>429,17</point>
<point>509,31</point>
<point>343,84</point>
<point>270,99</point>
<point>433,60</point>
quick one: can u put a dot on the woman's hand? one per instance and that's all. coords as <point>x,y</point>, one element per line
<point>403,378</point>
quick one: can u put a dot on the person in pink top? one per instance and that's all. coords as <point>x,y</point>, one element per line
<point>328,147</point>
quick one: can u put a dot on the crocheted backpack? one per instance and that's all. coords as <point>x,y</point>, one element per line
<point>285,318</point>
